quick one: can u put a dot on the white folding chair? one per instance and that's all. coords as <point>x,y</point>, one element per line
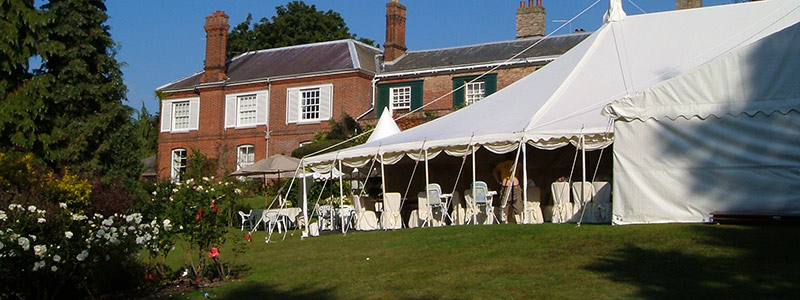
<point>390,217</point>
<point>435,196</point>
<point>246,218</point>
<point>483,198</point>
<point>272,220</point>
<point>324,217</point>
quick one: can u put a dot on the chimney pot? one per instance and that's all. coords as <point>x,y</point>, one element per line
<point>531,20</point>
<point>686,4</point>
<point>538,2</point>
<point>522,4</point>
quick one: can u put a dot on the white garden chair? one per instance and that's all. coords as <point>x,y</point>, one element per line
<point>246,218</point>
<point>483,199</point>
<point>435,196</point>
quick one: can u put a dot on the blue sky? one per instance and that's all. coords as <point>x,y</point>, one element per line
<point>161,41</point>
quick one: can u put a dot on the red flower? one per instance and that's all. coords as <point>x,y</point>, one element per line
<point>150,276</point>
<point>200,214</point>
<point>214,207</point>
<point>214,253</point>
<point>248,237</point>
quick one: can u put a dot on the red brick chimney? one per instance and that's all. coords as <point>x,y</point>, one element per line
<point>216,41</point>
<point>530,19</point>
<point>395,45</point>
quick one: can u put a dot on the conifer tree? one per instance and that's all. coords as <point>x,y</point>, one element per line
<point>69,112</point>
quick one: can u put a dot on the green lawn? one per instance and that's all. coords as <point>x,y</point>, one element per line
<point>549,261</point>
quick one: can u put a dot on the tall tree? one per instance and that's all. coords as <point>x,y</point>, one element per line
<point>70,112</point>
<point>294,24</point>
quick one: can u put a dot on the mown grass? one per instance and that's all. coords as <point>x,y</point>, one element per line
<point>549,261</point>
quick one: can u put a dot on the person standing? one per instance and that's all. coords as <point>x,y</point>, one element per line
<point>511,193</point>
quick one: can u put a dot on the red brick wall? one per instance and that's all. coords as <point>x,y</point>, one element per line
<point>438,85</point>
<point>352,94</point>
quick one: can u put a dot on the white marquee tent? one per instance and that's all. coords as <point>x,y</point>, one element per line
<point>549,107</point>
<point>561,102</point>
<point>722,137</point>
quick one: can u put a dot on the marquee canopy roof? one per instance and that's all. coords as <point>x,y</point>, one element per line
<point>556,104</point>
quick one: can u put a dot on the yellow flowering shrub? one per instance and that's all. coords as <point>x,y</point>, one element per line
<point>70,189</point>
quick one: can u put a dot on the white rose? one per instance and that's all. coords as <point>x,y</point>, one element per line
<point>82,255</point>
<point>39,250</point>
<point>62,205</point>
<point>56,258</point>
<point>24,243</point>
<point>41,220</point>
<point>53,268</point>
<point>68,234</point>
<point>32,208</point>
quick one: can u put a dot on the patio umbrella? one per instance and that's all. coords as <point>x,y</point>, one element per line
<point>276,166</point>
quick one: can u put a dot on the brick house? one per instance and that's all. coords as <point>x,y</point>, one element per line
<point>262,102</point>
<point>407,80</point>
<point>272,101</point>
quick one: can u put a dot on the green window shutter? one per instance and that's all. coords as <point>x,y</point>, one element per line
<point>458,95</point>
<point>417,93</point>
<point>490,84</point>
<point>383,98</point>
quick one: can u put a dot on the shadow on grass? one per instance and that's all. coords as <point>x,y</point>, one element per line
<point>265,291</point>
<point>727,263</point>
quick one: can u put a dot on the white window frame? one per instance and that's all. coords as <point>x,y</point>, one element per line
<point>170,117</point>
<point>400,97</point>
<point>294,104</point>
<point>186,113</point>
<point>235,112</point>
<point>310,94</point>
<point>474,91</point>
<point>252,110</point>
<point>244,157</point>
<point>178,163</point>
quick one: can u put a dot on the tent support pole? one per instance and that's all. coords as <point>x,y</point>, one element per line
<point>427,178</point>
<point>583,177</point>
<point>524,184</point>
<point>341,192</point>
<point>472,188</point>
<point>305,202</point>
<point>383,180</point>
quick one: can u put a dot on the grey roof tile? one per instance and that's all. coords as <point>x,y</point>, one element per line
<point>306,59</point>
<point>483,54</point>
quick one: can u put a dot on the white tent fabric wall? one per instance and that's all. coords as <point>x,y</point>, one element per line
<point>722,137</point>
<point>548,108</point>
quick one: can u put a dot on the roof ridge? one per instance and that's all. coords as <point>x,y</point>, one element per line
<point>498,42</point>
<point>342,41</point>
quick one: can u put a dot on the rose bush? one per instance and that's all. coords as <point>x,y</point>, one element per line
<point>59,252</point>
<point>199,209</point>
